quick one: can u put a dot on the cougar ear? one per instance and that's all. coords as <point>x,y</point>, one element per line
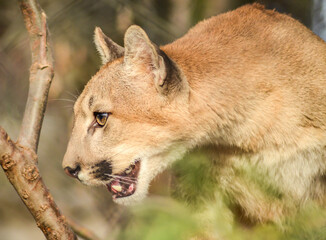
<point>140,51</point>
<point>108,49</point>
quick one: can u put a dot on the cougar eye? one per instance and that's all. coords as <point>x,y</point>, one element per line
<point>101,118</point>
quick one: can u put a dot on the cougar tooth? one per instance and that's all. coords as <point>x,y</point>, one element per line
<point>128,170</point>
<point>117,187</point>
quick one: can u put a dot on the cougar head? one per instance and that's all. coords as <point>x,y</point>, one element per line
<point>129,121</point>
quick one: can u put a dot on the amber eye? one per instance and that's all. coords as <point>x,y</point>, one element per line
<point>101,118</point>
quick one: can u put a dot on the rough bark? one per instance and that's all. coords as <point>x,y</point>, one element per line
<point>41,73</point>
<point>19,160</point>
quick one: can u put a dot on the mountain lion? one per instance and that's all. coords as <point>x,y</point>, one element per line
<point>250,82</point>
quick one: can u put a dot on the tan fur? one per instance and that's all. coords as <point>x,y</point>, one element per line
<point>250,81</point>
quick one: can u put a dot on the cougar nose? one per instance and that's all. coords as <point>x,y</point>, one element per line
<point>72,172</point>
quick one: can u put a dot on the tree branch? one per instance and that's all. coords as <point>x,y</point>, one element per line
<point>41,74</point>
<point>19,160</point>
<point>19,165</point>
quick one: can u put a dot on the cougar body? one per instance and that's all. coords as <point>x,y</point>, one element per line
<point>250,82</point>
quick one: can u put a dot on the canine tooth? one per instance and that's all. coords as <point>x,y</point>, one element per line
<point>117,187</point>
<point>128,170</point>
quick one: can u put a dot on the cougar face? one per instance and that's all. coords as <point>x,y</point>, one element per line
<point>128,119</point>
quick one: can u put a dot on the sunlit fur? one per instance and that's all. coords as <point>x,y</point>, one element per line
<point>251,81</point>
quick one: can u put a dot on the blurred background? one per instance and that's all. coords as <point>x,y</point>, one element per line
<point>71,23</point>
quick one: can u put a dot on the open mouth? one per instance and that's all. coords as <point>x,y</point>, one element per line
<point>125,183</point>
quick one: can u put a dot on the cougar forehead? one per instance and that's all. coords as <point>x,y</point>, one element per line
<point>128,97</point>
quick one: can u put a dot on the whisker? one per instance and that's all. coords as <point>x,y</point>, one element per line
<point>78,92</point>
<point>114,175</point>
<point>121,164</point>
<point>125,181</point>
<point>122,177</point>
<point>71,107</point>
<point>73,95</point>
<point>120,153</point>
<point>62,99</point>
<point>126,178</point>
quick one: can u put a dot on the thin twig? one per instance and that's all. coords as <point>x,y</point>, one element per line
<point>82,231</point>
<point>41,74</point>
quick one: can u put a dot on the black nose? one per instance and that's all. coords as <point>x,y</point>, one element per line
<point>72,172</point>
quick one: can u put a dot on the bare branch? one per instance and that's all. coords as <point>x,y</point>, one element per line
<point>19,160</point>
<point>41,74</point>
<point>5,143</point>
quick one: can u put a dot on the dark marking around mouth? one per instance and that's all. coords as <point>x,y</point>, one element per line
<point>103,170</point>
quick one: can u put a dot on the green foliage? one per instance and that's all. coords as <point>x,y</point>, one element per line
<point>203,209</point>
<point>198,8</point>
<point>167,220</point>
<point>160,220</point>
<point>196,180</point>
